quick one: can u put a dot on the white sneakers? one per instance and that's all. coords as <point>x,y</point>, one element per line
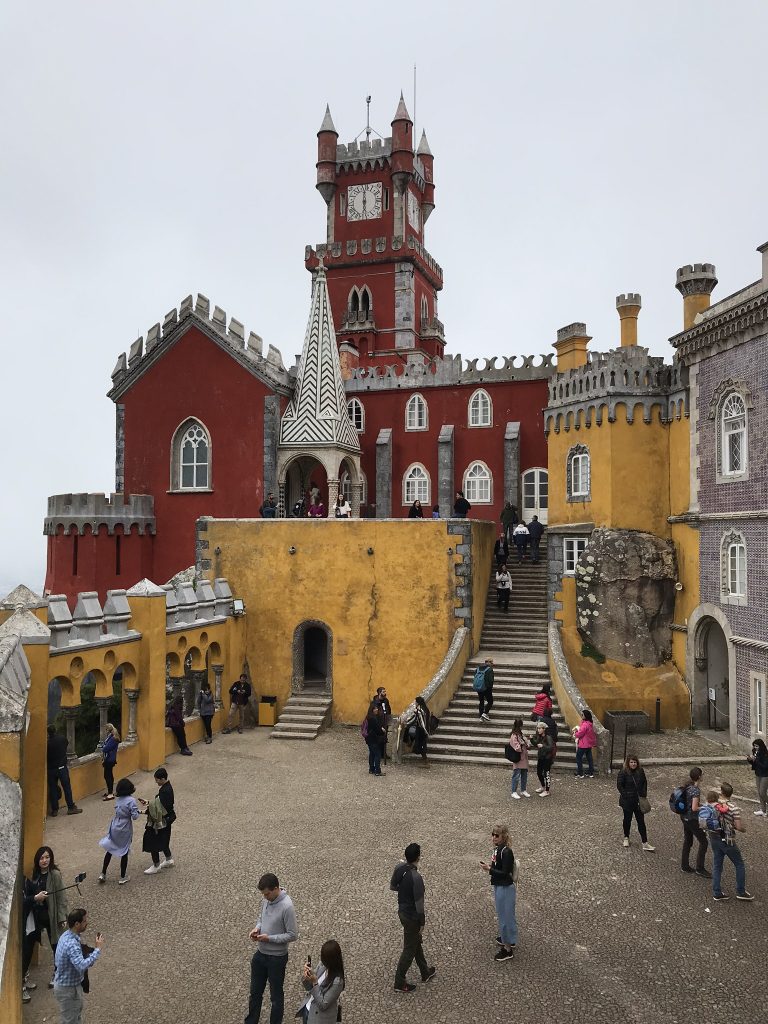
<point>169,861</point>
<point>648,848</point>
<point>102,878</point>
<point>526,794</point>
<point>153,869</point>
<point>485,717</point>
<point>760,814</point>
<point>544,792</point>
<point>626,842</point>
<point>122,881</point>
<point>515,796</point>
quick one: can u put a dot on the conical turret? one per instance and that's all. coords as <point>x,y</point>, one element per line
<point>326,157</point>
<point>424,154</point>
<point>402,147</point>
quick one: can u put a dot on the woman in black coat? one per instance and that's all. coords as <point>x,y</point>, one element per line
<point>632,785</point>
<point>376,738</point>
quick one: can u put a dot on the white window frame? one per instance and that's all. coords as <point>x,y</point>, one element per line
<point>470,483</point>
<point>572,548</point>
<point>757,687</point>
<point>346,487</point>
<point>190,424</point>
<point>729,430</point>
<point>411,494</point>
<point>356,411</point>
<point>416,402</point>
<point>477,415</point>
<point>736,568</point>
<point>581,460</point>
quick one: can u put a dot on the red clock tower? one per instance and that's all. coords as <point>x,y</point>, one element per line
<point>382,282</point>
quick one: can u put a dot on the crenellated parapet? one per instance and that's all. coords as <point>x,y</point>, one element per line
<point>228,332</point>
<point>373,250</point>
<point>621,377</point>
<point>74,512</point>
<point>448,371</point>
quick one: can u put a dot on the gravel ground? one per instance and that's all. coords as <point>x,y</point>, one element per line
<point>604,932</point>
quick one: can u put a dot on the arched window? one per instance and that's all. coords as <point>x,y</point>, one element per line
<point>416,417</point>
<point>191,458</point>
<point>424,309</point>
<point>416,485</point>
<point>733,568</point>
<point>478,489</point>
<point>733,435</point>
<point>366,302</point>
<point>356,414</point>
<point>480,409</point>
<point>354,300</point>
<point>346,487</point>
<point>578,476</point>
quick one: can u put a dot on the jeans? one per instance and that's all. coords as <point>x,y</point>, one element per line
<point>236,711</point>
<point>762,793</point>
<point>56,776</point>
<point>720,850</point>
<point>267,969</point>
<point>70,1000</point>
<point>181,736</point>
<point>109,777</point>
<point>581,753</point>
<point>412,950</point>
<point>374,757</point>
<point>535,549</point>
<point>520,775</point>
<point>502,597</point>
<point>692,831</point>
<point>505,896</point>
<point>207,725</point>
<point>521,548</point>
<point>639,818</point>
<point>485,700</point>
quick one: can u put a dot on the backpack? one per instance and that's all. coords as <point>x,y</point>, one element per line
<point>678,801</point>
<point>364,728</point>
<point>478,683</point>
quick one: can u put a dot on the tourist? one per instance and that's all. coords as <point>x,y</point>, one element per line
<point>461,506</point>
<point>409,885</point>
<point>50,914</point>
<point>508,520</point>
<point>275,928</point>
<point>314,493</point>
<point>520,537</point>
<point>342,509</point>
<point>542,704</point>
<point>552,729</point>
<point>317,510</point>
<point>109,760</point>
<point>31,900</point>
<point>435,511</point>
<point>485,695</point>
<point>239,695</point>
<point>58,772</point>
<point>324,986</point>
<point>160,818</point>
<point>586,740</point>
<point>416,511</point>
<point>503,587</point>
<point>268,508</point>
<point>421,722</point>
<point>535,532</point>
<point>633,787</point>
<point>722,820</point>
<point>519,743</point>
<point>691,829</point>
<point>386,717</point>
<point>71,966</point>
<point>545,746</point>
<point>174,719</point>
<point>501,550</point>
<point>376,739</point>
<point>504,894</point>
<point>206,707</point>
<point>117,842</point>
<point>758,759</point>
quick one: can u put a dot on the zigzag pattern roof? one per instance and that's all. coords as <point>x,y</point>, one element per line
<point>317,413</point>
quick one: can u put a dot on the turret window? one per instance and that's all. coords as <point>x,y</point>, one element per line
<point>480,409</point>
<point>578,474</point>
<point>416,415</point>
<point>191,458</point>
<point>416,485</point>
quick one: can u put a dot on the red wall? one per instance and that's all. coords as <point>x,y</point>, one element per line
<point>102,562</point>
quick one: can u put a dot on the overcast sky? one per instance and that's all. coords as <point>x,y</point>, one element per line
<point>582,149</point>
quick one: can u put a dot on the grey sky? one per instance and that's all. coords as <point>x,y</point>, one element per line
<point>155,149</point>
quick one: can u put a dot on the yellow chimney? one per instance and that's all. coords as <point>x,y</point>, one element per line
<point>571,347</point>
<point>629,307</point>
<point>695,283</point>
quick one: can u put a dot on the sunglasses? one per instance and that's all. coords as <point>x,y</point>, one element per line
<point>495,833</point>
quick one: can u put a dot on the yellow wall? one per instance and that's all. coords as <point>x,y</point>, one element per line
<point>10,755</point>
<point>391,613</point>
<point>483,540</point>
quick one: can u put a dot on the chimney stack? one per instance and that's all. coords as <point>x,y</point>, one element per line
<point>571,347</point>
<point>629,308</point>
<point>763,250</point>
<point>695,283</point>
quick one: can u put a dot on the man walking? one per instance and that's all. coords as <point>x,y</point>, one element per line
<point>71,966</point>
<point>722,820</point>
<point>409,886</point>
<point>691,829</point>
<point>239,695</point>
<point>535,532</point>
<point>520,537</point>
<point>58,772</point>
<point>485,695</point>
<point>275,928</point>
<point>508,520</point>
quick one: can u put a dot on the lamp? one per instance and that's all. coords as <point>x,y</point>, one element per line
<point>238,606</point>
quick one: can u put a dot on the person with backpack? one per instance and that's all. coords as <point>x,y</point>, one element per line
<point>544,756</point>
<point>721,820</point>
<point>409,886</point>
<point>503,587</point>
<point>376,738</point>
<point>758,761</point>
<point>691,801</point>
<point>508,519</point>
<point>482,684</point>
<point>586,740</point>
<point>519,744</point>
<point>633,788</point>
<point>501,870</point>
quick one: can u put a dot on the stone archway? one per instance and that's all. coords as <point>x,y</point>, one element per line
<point>711,667</point>
<point>312,656</point>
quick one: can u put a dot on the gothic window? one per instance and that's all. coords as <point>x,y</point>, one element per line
<point>354,300</point>
<point>424,309</point>
<point>480,409</point>
<point>572,548</point>
<point>343,204</point>
<point>356,414</point>
<point>733,568</point>
<point>578,476</point>
<point>191,458</point>
<point>366,302</point>
<point>478,484</point>
<point>733,435</point>
<point>416,417</point>
<point>416,485</point>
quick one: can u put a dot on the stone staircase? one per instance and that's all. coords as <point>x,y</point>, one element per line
<point>517,642</point>
<point>304,716</point>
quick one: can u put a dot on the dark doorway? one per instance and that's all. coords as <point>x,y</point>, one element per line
<point>315,657</point>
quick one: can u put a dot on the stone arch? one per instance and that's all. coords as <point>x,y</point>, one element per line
<point>312,652</point>
<point>711,663</point>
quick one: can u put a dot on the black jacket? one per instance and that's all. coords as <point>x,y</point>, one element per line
<point>535,530</point>
<point>501,866</point>
<point>461,506</point>
<point>409,886</point>
<point>760,765</point>
<point>376,733</point>
<point>57,751</point>
<point>240,693</point>
<point>631,786</point>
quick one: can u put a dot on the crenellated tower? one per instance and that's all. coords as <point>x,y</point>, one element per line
<point>382,282</point>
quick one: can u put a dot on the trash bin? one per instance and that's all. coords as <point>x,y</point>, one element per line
<point>267,708</point>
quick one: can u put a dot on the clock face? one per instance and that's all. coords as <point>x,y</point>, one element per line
<point>413,211</point>
<point>364,201</point>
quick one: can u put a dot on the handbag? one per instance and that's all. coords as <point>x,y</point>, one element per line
<point>644,804</point>
<point>511,754</point>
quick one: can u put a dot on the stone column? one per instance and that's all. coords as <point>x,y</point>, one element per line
<point>357,490</point>
<point>281,510</point>
<point>333,493</point>
<point>196,678</point>
<point>177,684</point>
<point>512,465</point>
<point>445,481</point>
<point>132,734</point>
<point>70,715</point>
<point>384,474</point>
<point>271,435</point>
<point>103,705</point>
<point>218,671</point>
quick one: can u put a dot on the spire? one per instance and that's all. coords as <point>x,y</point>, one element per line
<point>317,416</point>
<point>424,149</point>
<point>328,125</point>
<point>401,114</point>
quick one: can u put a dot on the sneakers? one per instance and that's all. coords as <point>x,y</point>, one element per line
<point>169,862</point>
<point>108,796</point>
<point>515,796</point>
<point>430,974</point>
<point>31,985</point>
<point>102,878</point>
<point>226,732</point>
<point>526,793</point>
<point>239,729</point>
<point>590,776</point>
<point>74,809</point>
<point>186,752</point>
<point>648,848</point>
<point>747,896</point>
<point>544,792</point>
<point>152,869</point>
<point>504,954</point>
<point>485,717</point>
<point>759,814</point>
<point>718,897</point>
<point>703,873</point>
<point>25,996</point>
<point>578,775</point>
<point>122,881</point>
<point>540,789</point>
<point>405,987</point>
<point>50,983</point>
<point>626,841</point>
<point>686,869</point>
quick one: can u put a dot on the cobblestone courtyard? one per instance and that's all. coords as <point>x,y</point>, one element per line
<point>605,933</point>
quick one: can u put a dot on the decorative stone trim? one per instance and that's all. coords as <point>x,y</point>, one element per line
<point>573,453</point>
<point>745,641</point>
<point>726,597</point>
<point>297,654</point>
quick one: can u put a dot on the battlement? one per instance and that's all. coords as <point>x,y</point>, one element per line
<point>630,299</point>
<point>76,511</point>
<point>353,155</point>
<point>572,331</point>
<point>443,371</point>
<point>696,279</point>
<point>230,332</point>
<point>371,250</point>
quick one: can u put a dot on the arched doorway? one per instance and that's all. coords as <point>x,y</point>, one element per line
<point>312,658</point>
<point>711,690</point>
<point>535,495</point>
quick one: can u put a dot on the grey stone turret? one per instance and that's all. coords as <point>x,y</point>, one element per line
<point>328,125</point>
<point>630,299</point>
<point>95,510</point>
<point>424,149</point>
<point>696,279</point>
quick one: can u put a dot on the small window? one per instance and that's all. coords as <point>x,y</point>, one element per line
<point>572,548</point>
<point>737,570</point>
<point>480,409</point>
<point>191,465</point>
<point>354,300</point>
<point>366,302</point>
<point>758,699</point>
<point>356,414</point>
<point>386,198</point>
<point>416,414</point>
<point>424,310</point>
<point>416,485</point>
<point>477,484</point>
<point>578,477</point>
<point>733,444</point>
<point>342,204</point>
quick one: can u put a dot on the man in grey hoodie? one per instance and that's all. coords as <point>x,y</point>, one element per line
<point>409,886</point>
<point>275,928</point>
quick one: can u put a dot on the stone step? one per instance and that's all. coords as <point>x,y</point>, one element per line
<point>304,716</point>
<point>498,762</point>
<point>293,734</point>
